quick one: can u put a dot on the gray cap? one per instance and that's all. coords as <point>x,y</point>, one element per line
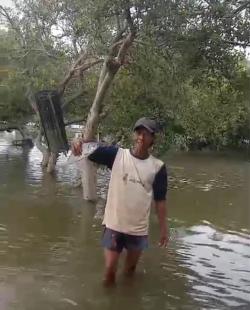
<point>147,123</point>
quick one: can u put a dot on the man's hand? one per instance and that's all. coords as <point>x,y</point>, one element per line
<point>163,240</point>
<point>76,147</point>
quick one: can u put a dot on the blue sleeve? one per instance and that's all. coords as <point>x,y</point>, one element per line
<point>104,155</point>
<point>160,184</point>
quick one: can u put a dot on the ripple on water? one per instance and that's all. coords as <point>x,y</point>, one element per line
<point>210,259</point>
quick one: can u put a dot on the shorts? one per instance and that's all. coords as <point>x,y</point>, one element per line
<point>116,241</point>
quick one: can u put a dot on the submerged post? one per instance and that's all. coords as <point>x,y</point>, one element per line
<point>48,104</point>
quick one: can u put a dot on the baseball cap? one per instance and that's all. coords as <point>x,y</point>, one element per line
<point>147,123</point>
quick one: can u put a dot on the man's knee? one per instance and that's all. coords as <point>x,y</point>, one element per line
<point>111,266</point>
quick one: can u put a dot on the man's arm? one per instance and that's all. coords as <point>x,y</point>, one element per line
<point>161,210</point>
<point>160,192</point>
<point>103,155</point>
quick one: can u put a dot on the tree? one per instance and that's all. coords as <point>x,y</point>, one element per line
<point>39,59</point>
<point>177,58</point>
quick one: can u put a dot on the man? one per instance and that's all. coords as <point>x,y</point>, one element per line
<point>137,181</point>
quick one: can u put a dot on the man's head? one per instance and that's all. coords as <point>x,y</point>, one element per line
<point>144,134</point>
<point>148,124</point>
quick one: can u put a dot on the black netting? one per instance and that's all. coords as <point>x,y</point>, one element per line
<point>49,108</point>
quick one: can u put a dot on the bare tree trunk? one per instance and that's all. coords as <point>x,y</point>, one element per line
<point>49,158</point>
<point>43,149</point>
<point>89,179</point>
<point>52,162</point>
<point>88,169</point>
<point>45,159</point>
<point>109,70</point>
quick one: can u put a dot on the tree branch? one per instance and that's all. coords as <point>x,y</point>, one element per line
<point>63,84</point>
<point>237,43</point>
<point>27,52</point>
<point>73,98</point>
<point>75,122</point>
<point>77,67</point>
<point>241,8</point>
<point>5,13</point>
<point>119,35</point>
<point>88,65</point>
<point>118,21</point>
<point>130,20</point>
<point>31,98</point>
<point>113,63</point>
<point>125,46</point>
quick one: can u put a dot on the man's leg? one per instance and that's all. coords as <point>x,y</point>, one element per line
<point>131,261</point>
<point>111,262</point>
<point>134,245</point>
<point>112,242</point>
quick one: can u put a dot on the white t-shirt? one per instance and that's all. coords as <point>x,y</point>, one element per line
<point>130,193</point>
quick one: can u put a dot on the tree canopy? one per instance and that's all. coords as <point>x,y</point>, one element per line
<point>186,67</point>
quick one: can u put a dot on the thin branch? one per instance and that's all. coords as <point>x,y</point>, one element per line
<point>47,53</point>
<point>114,48</point>
<point>130,37</point>
<point>112,62</point>
<point>31,98</point>
<point>125,46</point>
<point>141,42</point>
<point>63,84</point>
<point>89,65</point>
<point>241,8</point>
<point>59,37</point>
<point>77,121</point>
<point>112,53</point>
<point>119,35</point>
<point>130,20</point>
<point>104,114</point>
<point>73,98</point>
<point>42,50</point>
<point>5,13</point>
<point>75,68</point>
<point>237,43</point>
<point>118,21</point>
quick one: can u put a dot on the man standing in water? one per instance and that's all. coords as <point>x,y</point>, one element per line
<point>137,180</point>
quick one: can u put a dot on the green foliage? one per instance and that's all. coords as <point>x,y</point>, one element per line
<point>13,103</point>
<point>196,109</point>
<point>184,69</point>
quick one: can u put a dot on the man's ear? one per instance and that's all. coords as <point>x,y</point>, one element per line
<point>153,142</point>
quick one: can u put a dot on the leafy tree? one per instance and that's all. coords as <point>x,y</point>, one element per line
<point>179,61</point>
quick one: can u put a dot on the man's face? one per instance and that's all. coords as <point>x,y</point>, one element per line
<point>143,139</point>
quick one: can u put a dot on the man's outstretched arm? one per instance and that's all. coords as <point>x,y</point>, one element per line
<point>102,154</point>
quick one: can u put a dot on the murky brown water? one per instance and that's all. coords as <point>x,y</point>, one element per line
<point>50,253</point>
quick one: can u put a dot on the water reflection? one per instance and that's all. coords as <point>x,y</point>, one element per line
<point>65,173</point>
<point>220,261</point>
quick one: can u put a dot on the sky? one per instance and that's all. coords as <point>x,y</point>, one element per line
<point>6,2</point>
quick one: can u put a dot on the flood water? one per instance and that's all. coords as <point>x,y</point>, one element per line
<point>50,253</point>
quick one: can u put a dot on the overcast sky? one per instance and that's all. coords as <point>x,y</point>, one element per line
<point>6,2</point>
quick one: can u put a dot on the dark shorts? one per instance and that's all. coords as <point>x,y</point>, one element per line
<point>116,241</point>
